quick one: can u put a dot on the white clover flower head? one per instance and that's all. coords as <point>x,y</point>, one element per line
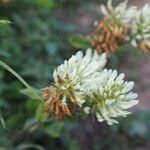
<point>111,31</point>
<point>111,96</point>
<point>121,12</point>
<point>140,31</point>
<point>70,76</point>
<point>82,81</point>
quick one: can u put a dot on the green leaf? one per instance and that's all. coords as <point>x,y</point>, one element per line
<point>40,113</point>
<point>5,21</point>
<point>11,122</point>
<point>31,106</point>
<point>46,4</point>
<point>73,145</point>
<point>30,94</point>
<point>54,129</point>
<point>79,41</point>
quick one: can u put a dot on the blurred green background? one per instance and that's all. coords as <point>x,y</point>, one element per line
<point>34,44</point>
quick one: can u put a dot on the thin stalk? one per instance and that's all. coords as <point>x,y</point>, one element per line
<point>4,65</point>
<point>2,122</point>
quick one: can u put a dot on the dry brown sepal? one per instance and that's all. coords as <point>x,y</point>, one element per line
<point>144,46</point>
<point>53,103</point>
<point>107,38</point>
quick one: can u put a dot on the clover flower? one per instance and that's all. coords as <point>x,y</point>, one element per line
<point>111,31</point>
<point>68,80</point>
<point>82,82</point>
<point>110,97</point>
<point>120,14</point>
<point>140,31</point>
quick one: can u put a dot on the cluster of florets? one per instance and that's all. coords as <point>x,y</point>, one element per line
<point>121,24</point>
<point>81,82</point>
<point>140,31</point>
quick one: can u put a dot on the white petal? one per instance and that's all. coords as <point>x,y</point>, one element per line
<point>129,104</point>
<point>99,117</point>
<point>104,10</point>
<point>109,6</point>
<point>87,110</point>
<point>120,78</point>
<point>128,87</point>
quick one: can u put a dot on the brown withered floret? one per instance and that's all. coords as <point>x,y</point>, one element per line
<point>107,38</point>
<point>53,104</point>
<point>144,46</point>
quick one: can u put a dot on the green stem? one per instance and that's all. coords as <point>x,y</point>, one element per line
<point>18,77</point>
<point>2,121</point>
